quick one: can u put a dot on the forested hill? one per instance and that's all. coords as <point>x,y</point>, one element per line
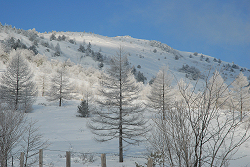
<point>92,50</point>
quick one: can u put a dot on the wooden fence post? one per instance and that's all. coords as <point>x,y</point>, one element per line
<point>67,158</point>
<point>103,160</point>
<point>22,159</point>
<point>150,162</point>
<point>41,158</point>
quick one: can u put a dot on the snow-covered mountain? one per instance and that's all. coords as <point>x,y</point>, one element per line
<point>145,55</point>
<point>86,56</point>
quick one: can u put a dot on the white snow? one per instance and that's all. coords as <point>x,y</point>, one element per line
<point>65,131</point>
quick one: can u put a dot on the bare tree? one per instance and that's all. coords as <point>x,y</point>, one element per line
<point>122,117</point>
<point>219,90</point>
<point>196,131</point>
<point>12,128</point>
<point>240,94</point>
<point>60,87</point>
<point>32,142</point>
<point>161,96</point>
<point>161,99</point>
<point>43,78</point>
<point>17,87</point>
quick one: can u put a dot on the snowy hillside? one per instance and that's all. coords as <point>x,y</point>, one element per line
<point>85,57</point>
<point>146,56</point>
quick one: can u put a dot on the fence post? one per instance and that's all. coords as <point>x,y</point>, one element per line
<point>67,158</point>
<point>150,162</point>
<point>41,158</point>
<point>103,160</point>
<point>22,159</point>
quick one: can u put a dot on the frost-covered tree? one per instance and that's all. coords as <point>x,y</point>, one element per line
<point>140,77</point>
<point>52,37</point>
<point>43,78</point>
<point>12,128</point>
<point>32,141</point>
<point>58,51</point>
<point>81,48</point>
<point>121,117</point>
<point>161,96</point>
<point>161,100</point>
<point>241,94</point>
<point>17,88</point>
<point>33,48</point>
<point>218,90</point>
<point>83,109</point>
<point>196,132</point>
<point>60,88</point>
<point>89,47</point>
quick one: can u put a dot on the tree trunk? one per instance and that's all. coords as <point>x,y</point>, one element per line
<point>120,126</point>
<point>60,102</point>
<point>120,146</point>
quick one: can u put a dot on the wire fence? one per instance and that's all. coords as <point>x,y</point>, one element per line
<point>75,157</point>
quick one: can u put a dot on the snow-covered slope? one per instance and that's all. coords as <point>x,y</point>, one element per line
<point>146,56</point>
<point>60,126</point>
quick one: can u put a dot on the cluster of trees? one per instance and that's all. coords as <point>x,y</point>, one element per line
<point>138,75</point>
<point>123,117</point>
<point>189,127</point>
<point>59,38</point>
<point>19,134</point>
<point>18,93</point>
<point>97,56</point>
<point>192,126</point>
<point>200,126</point>
<point>191,72</point>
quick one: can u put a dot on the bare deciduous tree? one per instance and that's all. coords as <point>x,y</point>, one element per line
<point>161,96</point>
<point>17,87</point>
<point>12,128</point>
<point>32,143</point>
<point>123,117</point>
<point>196,131</point>
<point>60,87</point>
<point>240,94</point>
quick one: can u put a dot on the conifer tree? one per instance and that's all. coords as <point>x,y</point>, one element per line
<point>241,94</point>
<point>122,117</point>
<point>60,87</point>
<point>161,96</point>
<point>17,87</point>
<point>83,109</point>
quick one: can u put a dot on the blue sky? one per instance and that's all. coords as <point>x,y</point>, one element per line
<point>217,28</point>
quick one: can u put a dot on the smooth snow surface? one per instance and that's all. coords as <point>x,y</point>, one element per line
<point>66,132</point>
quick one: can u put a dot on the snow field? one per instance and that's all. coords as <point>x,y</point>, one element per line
<point>66,132</point>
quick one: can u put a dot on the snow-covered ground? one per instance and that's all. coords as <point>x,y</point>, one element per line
<point>66,132</point>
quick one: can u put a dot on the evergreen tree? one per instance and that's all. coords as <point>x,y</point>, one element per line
<point>58,50</point>
<point>52,37</point>
<point>89,47</point>
<point>140,77</point>
<point>81,48</point>
<point>83,109</point>
<point>17,87</point>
